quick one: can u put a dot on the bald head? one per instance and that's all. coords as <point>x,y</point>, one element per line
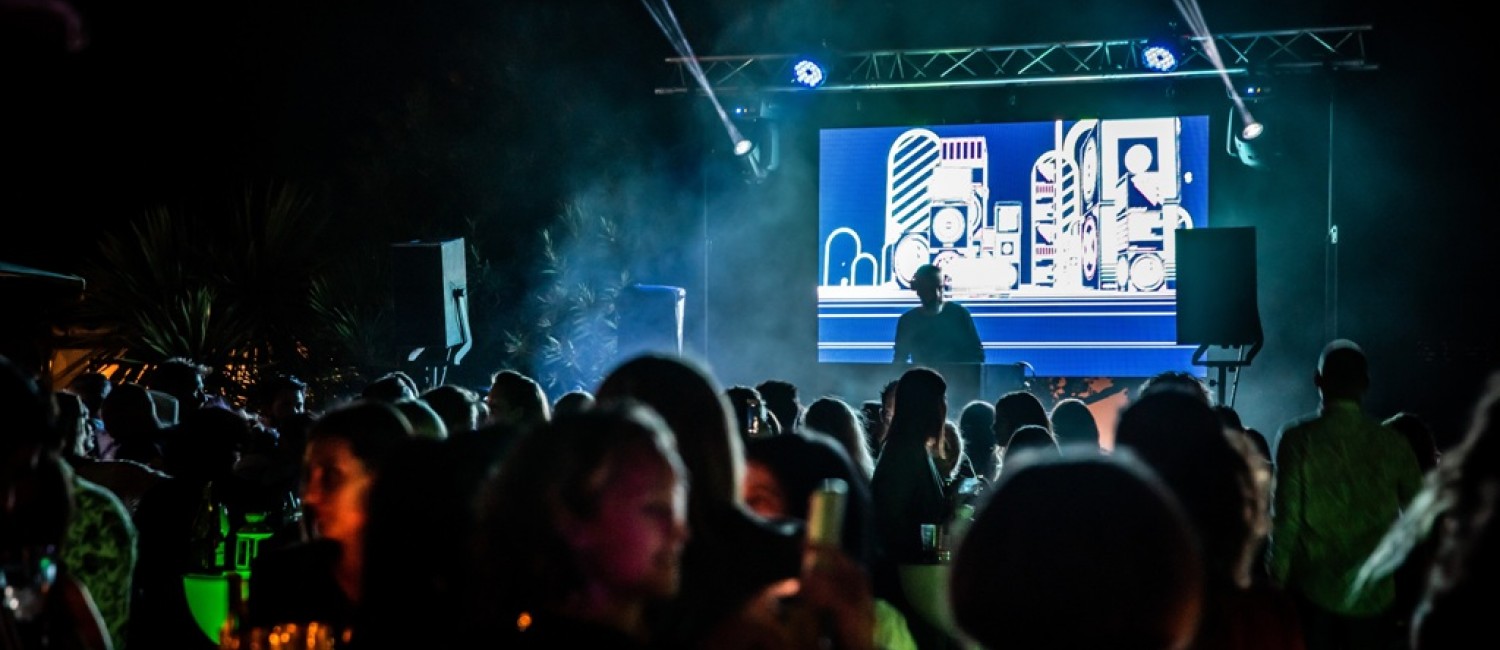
<point>927,281</point>
<point>1343,370</point>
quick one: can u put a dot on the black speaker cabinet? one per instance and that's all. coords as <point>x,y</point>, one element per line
<point>428,281</point>
<point>1216,288</point>
<point>650,320</point>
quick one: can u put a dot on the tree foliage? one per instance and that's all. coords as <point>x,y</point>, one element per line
<point>253,288</point>
<point>568,338</point>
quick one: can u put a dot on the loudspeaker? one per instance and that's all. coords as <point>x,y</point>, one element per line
<point>1216,288</point>
<point>428,283</point>
<point>650,320</point>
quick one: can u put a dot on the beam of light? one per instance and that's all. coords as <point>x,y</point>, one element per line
<point>667,21</point>
<point>1198,26</point>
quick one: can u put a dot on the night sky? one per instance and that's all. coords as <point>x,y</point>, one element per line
<point>435,119</point>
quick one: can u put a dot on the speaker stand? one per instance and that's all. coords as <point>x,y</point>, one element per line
<point>1238,357</point>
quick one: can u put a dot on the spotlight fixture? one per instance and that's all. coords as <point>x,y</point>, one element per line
<point>1245,144</point>
<point>744,115</point>
<point>759,144</point>
<point>808,72</point>
<point>1162,51</point>
<point>1159,58</point>
<point>1245,151</point>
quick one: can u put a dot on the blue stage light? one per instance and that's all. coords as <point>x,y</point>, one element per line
<point>1159,56</point>
<point>807,72</point>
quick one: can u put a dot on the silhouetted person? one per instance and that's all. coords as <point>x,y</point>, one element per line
<point>391,387</point>
<point>1419,435</point>
<point>418,565</point>
<point>92,387</point>
<point>585,565</point>
<point>750,414</point>
<point>908,494</point>
<point>321,579</point>
<point>1078,552</point>
<point>1014,410</point>
<point>130,418</point>
<point>1176,380</point>
<point>937,331</point>
<point>732,555</point>
<point>183,379</point>
<point>42,608</point>
<point>186,527</point>
<point>1073,423</point>
<point>976,425</point>
<point>950,457</point>
<point>100,548</point>
<point>781,399</point>
<point>887,412</point>
<point>425,421</point>
<point>784,472</point>
<point>279,397</point>
<point>571,401</point>
<point>1033,438</point>
<point>517,400</point>
<point>838,419</point>
<point>870,411</point>
<point>1211,471</point>
<point>1457,603</point>
<point>1442,552</point>
<point>456,405</point>
<point>1342,479</point>
<point>939,334</point>
<point>47,606</point>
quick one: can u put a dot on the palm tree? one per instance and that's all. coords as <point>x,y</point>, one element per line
<point>568,340</point>
<point>249,291</point>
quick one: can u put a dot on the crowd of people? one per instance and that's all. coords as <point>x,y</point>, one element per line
<point>663,509</point>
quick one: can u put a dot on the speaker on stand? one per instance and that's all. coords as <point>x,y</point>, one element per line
<point>429,285</point>
<point>1217,303</point>
<point>649,320</point>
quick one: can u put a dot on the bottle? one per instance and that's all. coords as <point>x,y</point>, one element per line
<point>825,526</point>
<point>825,512</point>
<point>223,556</point>
<point>210,533</point>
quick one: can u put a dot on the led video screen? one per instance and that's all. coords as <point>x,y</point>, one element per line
<point>1057,236</point>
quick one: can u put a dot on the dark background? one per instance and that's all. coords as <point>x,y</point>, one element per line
<point>480,119</point>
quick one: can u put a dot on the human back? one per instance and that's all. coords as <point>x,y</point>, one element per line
<point>1341,480</point>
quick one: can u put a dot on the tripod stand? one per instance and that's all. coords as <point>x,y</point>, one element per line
<point>1241,356</point>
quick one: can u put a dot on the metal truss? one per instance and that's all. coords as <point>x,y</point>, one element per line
<point>1296,50</point>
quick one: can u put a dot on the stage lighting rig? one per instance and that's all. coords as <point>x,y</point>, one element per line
<point>1163,52</point>
<point>808,72</point>
<point>1244,142</point>
<point>759,146</point>
<point>1061,62</point>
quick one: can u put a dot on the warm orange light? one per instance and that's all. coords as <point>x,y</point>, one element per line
<point>523,621</point>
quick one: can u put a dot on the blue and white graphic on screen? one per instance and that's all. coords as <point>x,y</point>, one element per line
<point>1057,236</point>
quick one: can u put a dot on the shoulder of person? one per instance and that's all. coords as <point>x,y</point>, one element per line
<point>99,498</point>
<point>1299,424</point>
<point>1292,435</point>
